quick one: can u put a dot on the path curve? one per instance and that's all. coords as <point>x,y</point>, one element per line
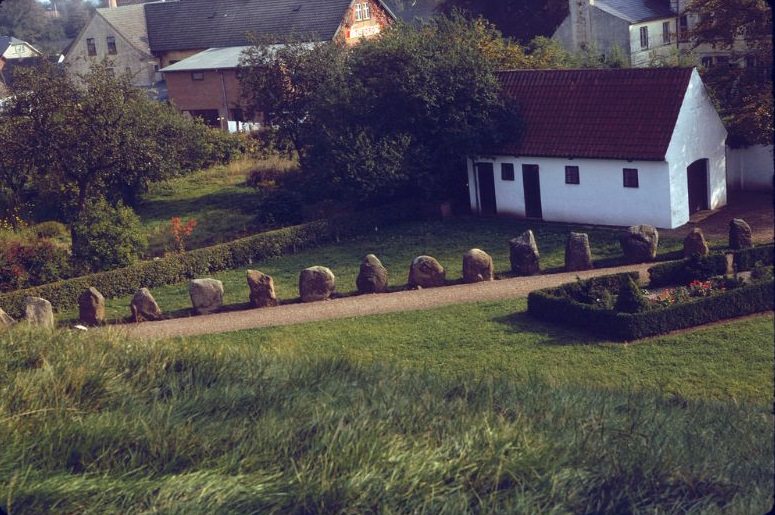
<point>362,305</point>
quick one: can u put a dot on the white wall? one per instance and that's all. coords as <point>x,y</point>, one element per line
<point>750,168</point>
<point>698,134</point>
<point>20,51</point>
<point>642,57</point>
<point>600,198</point>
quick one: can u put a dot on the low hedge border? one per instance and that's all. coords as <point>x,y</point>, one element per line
<point>554,305</point>
<point>702,268</point>
<point>233,254</point>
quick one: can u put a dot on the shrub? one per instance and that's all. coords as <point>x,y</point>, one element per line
<point>746,259</point>
<point>51,229</point>
<point>31,263</point>
<point>630,299</point>
<point>761,272</point>
<point>180,267</point>
<point>107,237</point>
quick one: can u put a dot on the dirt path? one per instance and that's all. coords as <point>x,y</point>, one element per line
<point>361,305</point>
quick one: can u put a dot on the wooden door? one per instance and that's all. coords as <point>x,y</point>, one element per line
<point>697,179</point>
<point>532,186</point>
<point>486,181</point>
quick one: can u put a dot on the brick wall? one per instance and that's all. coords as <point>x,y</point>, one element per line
<point>188,94</point>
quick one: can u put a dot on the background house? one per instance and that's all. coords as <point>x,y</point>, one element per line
<point>119,34</point>
<point>200,43</point>
<point>616,147</point>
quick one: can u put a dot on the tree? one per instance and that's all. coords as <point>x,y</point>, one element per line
<point>23,19</point>
<point>743,94</point>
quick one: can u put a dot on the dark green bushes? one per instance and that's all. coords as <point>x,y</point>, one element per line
<point>234,254</point>
<point>702,268</point>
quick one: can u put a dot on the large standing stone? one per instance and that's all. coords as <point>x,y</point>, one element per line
<point>477,266</point>
<point>5,320</point>
<point>261,286</point>
<point>426,272</point>
<point>38,311</point>
<point>578,255</point>
<point>639,243</point>
<point>695,244</point>
<point>316,283</point>
<point>524,254</point>
<point>739,234</point>
<point>144,306</point>
<point>91,307</point>
<point>373,277</point>
<point>206,295</point>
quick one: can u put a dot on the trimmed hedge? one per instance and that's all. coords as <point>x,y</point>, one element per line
<point>233,254</point>
<point>702,268</point>
<point>555,305</point>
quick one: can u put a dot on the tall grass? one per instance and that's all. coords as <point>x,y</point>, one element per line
<point>91,423</point>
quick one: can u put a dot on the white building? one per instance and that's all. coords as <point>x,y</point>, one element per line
<point>612,147</point>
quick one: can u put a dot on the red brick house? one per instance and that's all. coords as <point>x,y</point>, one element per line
<point>199,42</point>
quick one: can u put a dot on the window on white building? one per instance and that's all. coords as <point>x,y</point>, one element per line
<point>630,176</point>
<point>644,37</point>
<point>666,32</point>
<point>683,28</point>
<point>507,172</point>
<point>112,45</point>
<point>572,175</point>
<point>91,46</point>
<point>707,61</point>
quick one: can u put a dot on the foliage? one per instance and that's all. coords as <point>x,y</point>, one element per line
<point>704,267</point>
<point>761,272</point>
<point>108,237</point>
<point>51,229</point>
<point>630,298</point>
<point>180,231</point>
<point>25,263</point>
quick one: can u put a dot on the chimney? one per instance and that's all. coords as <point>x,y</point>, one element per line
<point>112,4</point>
<point>581,23</point>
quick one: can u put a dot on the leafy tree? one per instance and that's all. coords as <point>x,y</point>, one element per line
<point>23,19</point>
<point>743,94</point>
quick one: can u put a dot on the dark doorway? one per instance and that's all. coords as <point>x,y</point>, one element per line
<point>697,178</point>
<point>486,179</point>
<point>532,187</point>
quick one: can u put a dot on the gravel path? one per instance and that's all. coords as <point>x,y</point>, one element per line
<point>361,305</point>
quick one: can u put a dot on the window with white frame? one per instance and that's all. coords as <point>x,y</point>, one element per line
<point>362,11</point>
<point>644,37</point>
<point>666,32</point>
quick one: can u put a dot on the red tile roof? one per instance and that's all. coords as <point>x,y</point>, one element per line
<point>607,114</point>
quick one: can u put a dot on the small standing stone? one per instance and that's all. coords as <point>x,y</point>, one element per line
<point>261,286</point>
<point>426,272</point>
<point>39,312</point>
<point>5,320</point>
<point>373,277</point>
<point>477,266</point>
<point>91,307</point>
<point>206,295</point>
<point>578,255</point>
<point>144,306</point>
<point>639,243</point>
<point>739,234</point>
<point>524,254</point>
<point>695,244</point>
<point>316,283</point>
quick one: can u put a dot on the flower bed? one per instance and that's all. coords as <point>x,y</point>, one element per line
<point>700,302</point>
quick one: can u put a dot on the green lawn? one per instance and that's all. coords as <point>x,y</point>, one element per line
<point>469,408</point>
<point>396,246</point>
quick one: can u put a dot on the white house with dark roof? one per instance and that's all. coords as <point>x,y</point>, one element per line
<point>611,147</point>
<point>120,35</point>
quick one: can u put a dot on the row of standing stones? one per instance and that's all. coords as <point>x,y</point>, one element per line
<point>639,244</point>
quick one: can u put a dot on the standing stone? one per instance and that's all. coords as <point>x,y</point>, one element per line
<point>695,244</point>
<point>373,277</point>
<point>316,283</point>
<point>524,254</point>
<point>739,234</point>
<point>477,266</point>
<point>426,272</point>
<point>144,306</point>
<point>5,320</point>
<point>38,311</point>
<point>639,243</point>
<point>206,295</point>
<point>578,255</point>
<point>91,307</point>
<point>261,286</point>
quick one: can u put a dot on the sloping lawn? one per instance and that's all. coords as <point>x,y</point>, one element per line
<point>465,409</point>
<point>396,246</point>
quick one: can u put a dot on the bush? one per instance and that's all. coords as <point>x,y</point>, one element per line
<point>555,305</point>
<point>51,229</point>
<point>180,267</point>
<point>761,272</point>
<point>745,259</point>
<point>107,237</point>
<point>31,263</point>
<point>630,299</point>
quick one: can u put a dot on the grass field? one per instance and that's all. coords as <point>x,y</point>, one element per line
<point>396,246</point>
<point>463,409</point>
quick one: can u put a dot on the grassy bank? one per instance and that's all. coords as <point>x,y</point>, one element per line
<point>396,246</point>
<point>94,424</point>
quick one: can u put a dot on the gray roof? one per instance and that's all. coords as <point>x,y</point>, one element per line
<point>192,24</point>
<point>214,59</point>
<point>129,21</point>
<point>636,11</point>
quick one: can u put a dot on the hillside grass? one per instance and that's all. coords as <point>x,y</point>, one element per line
<point>343,417</point>
<point>396,246</point>
<point>224,207</point>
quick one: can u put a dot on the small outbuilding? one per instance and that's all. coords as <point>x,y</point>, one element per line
<point>605,146</point>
